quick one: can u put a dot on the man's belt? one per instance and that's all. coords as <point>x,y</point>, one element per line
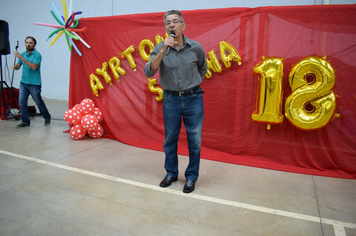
<point>186,92</point>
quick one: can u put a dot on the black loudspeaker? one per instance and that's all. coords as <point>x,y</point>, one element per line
<point>4,38</point>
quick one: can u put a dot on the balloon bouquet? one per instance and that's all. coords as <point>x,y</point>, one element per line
<point>84,118</point>
<point>67,25</point>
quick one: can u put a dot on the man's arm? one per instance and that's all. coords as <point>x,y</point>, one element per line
<point>33,66</point>
<point>151,70</point>
<point>168,42</point>
<point>16,67</point>
<point>202,63</point>
<point>157,60</point>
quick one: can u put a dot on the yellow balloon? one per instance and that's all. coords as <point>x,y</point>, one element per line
<point>312,105</point>
<point>153,89</point>
<point>95,84</point>
<point>57,37</point>
<point>270,92</point>
<point>213,64</point>
<point>104,72</point>
<point>115,65</point>
<point>65,10</point>
<point>128,55</point>
<point>233,54</point>
<point>158,39</point>
<point>142,49</point>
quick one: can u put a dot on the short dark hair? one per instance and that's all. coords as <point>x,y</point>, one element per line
<point>30,37</point>
<point>171,12</point>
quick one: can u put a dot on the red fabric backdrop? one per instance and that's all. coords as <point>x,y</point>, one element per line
<point>132,115</point>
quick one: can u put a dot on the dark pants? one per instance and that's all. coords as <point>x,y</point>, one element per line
<point>191,109</point>
<point>35,91</point>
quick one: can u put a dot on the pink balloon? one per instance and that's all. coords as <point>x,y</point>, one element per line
<point>77,132</point>
<point>87,106</point>
<point>98,114</point>
<point>97,133</point>
<point>89,122</point>
<point>72,116</point>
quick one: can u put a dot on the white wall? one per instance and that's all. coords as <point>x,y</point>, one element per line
<point>20,15</point>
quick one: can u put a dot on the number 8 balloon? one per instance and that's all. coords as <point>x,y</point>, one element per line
<point>317,93</point>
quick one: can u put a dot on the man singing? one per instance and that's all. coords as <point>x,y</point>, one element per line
<point>182,64</point>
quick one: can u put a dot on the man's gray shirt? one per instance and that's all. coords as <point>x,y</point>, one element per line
<point>180,70</point>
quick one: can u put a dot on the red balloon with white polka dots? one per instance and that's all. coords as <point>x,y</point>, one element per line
<point>87,106</point>
<point>72,116</point>
<point>89,122</point>
<point>77,132</point>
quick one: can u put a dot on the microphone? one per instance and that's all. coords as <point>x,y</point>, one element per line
<point>173,35</point>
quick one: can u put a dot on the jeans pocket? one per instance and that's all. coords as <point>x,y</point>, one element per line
<point>167,95</point>
<point>198,95</point>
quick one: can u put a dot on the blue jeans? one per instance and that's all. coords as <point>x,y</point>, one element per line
<point>35,91</point>
<point>192,110</point>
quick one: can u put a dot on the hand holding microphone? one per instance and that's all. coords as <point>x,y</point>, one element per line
<point>173,35</point>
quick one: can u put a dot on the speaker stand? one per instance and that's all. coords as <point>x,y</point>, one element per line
<point>8,113</point>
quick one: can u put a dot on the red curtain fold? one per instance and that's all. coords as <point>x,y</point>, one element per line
<point>132,115</point>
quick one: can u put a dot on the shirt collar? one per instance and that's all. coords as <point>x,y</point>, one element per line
<point>187,40</point>
<point>30,52</point>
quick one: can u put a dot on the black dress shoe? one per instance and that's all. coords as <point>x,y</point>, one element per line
<point>168,180</point>
<point>22,125</point>
<point>189,186</point>
<point>47,120</point>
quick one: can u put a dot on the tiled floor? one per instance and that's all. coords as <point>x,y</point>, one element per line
<point>51,184</point>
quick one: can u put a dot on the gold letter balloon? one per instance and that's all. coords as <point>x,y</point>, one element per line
<point>95,84</point>
<point>153,89</point>
<point>312,104</point>
<point>104,72</point>
<point>233,54</point>
<point>115,65</point>
<point>213,64</point>
<point>270,92</point>
<point>142,49</point>
<point>128,55</point>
